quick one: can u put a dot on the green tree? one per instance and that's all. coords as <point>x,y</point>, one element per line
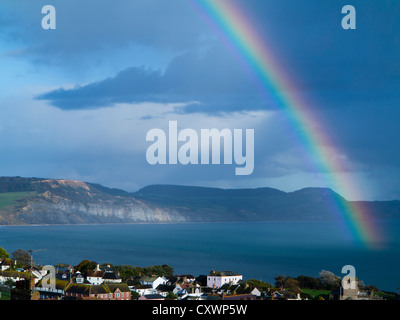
<point>307,282</point>
<point>259,284</point>
<point>128,271</point>
<point>3,253</point>
<point>163,270</point>
<point>86,265</point>
<point>168,270</point>
<point>292,285</point>
<point>280,281</point>
<point>22,257</point>
<point>171,296</point>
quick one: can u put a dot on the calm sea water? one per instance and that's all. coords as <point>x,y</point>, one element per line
<point>256,250</point>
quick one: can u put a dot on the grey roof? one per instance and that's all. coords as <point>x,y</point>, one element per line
<point>153,296</point>
<point>111,275</point>
<point>223,273</point>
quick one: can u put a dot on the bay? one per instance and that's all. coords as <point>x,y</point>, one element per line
<point>260,250</point>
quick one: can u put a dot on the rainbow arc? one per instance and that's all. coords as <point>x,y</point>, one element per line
<point>255,50</point>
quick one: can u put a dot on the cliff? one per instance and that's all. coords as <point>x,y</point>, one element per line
<point>50,201</point>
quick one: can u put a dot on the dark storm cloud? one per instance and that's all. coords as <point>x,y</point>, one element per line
<point>210,82</point>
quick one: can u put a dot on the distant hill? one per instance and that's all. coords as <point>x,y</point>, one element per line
<point>52,201</point>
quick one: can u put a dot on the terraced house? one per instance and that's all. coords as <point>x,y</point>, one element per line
<point>119,291</point>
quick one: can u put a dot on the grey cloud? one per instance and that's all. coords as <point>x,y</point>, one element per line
<point>212,82</point>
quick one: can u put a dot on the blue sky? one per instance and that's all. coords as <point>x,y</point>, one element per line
<point>77,102</point>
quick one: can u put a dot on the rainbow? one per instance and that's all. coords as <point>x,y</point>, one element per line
<point>232,22</point>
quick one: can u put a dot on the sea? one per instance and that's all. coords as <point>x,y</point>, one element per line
<point>257,250</point>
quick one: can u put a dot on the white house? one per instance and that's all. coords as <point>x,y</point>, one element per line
<point>163,289</point>
<point>217,279</point>
<point>154,281</point>
<point>95,276</point>
<point>98,276</point>
<point>256,292</point>
<point>15,276</point>
<point>143,289</point>
<point>5,264</point>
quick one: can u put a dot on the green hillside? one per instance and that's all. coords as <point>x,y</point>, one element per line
<point>8,198</point>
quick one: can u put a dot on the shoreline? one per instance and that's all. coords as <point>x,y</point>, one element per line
<point>182,222</point>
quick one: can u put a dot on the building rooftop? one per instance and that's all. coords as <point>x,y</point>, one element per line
<point>223,273</point>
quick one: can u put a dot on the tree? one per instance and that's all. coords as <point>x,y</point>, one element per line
<point>22,257</point>
<point>292,285</point>
<point>134,295</point>
<point>3,253</point>
<point>128,271</point>
<point>163,270</point>
<point>171,296</point>
<point>309,282</point>
<point>259,284</point>
<point>330,280</point>
<point>85,265</point>
<point>168,270</point>
<point>279,281</point>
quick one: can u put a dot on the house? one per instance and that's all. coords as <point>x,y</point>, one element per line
<point>78,291</point>
<point>153,280</point>
<point>217,279</point>
<point>143,289</point>
<point>136,285</point>
<point>273,295</point>
<point>70,276</point>
<point>164,289</point>
<point>118,291</point>
<point>79,278</point>
<point>190,291</point>
<point>95,276</point>
<point>52,293</point>
<point>151,297</point>
<point>185,278</point>
<point>99,276</point>
<point>256,292</point>
<point>109,276</point>
<point>171,279</point>
<point>240,297</point>
<point>16,276</point>
<point>63,276</point>
<point>5,264</point>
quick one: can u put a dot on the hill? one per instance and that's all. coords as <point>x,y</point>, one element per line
<point>52,201</point>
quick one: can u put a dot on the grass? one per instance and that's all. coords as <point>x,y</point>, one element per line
<point>4,293</point>
<point>9,198</point>
<point>315,293</point>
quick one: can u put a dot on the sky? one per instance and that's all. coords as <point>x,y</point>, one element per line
<point>76,102</point>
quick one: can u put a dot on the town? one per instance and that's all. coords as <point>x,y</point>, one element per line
<point>21,279</point>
